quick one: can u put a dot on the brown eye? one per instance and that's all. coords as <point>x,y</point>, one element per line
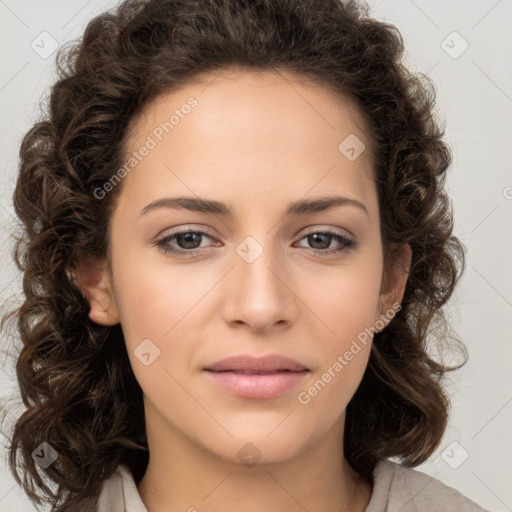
<point>320,242</point>
<point>187,241</point>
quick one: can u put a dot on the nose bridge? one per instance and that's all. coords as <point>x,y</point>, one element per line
<point>258,294</point>
<point>258,262</point>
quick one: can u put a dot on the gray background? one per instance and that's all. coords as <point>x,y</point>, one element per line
<point>475,100</point>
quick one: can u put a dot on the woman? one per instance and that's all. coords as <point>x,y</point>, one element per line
<point>236,240</point>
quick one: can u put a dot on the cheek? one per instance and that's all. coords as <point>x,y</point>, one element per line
<point>346,307</point>
<point>344,303</point>
<point>159,304</point>
<point>154,301</point>
<point>325,397</point>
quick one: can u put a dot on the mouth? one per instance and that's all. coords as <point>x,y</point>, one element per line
<point>256,378</point>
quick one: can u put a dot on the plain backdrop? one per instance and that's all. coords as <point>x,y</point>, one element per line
<point>465,47</point>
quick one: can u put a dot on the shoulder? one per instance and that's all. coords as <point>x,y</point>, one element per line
<point>119,493</point>
<point>397,488</point>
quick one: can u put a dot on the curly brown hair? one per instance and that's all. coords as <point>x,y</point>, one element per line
<point>75,377</point>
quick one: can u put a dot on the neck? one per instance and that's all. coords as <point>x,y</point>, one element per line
<point>184,476</point>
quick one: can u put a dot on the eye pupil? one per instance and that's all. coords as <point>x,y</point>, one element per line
<point>317,237</point>
<point>188,239</point>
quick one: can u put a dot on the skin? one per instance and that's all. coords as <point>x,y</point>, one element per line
<point>256,141</point>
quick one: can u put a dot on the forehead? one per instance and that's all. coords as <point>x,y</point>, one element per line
<point>253,130</point>
<point>261,100</point>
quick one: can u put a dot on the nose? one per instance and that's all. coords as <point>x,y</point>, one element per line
<point>259,292</point>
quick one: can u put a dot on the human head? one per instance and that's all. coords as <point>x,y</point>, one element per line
<point>125,61</point>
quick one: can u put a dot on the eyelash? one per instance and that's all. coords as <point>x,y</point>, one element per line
<point>347,243</point>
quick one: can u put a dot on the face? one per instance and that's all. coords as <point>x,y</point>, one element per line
<point>193,286</point>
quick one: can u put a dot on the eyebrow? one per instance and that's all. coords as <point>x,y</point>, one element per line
<point>300,207</point>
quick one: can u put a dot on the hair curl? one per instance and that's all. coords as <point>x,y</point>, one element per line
<point>75,375</point>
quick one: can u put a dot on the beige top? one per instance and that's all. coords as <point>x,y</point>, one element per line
<point>395,489</point>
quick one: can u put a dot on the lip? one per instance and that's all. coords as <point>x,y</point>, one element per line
<point>248,363</point>
<point>256,378</point>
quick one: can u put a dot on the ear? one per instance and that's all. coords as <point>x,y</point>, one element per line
<point>94,281</point>
<point>394,280</point>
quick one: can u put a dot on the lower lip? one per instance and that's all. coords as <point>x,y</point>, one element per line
<point>257,386</point>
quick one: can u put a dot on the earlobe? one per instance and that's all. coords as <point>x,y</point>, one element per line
<point>94,281</point>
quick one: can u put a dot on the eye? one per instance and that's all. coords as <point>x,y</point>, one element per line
<point>321,240</point>
<point>189,242</point>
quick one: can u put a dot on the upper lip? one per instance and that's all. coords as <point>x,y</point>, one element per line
<point>248,363</point>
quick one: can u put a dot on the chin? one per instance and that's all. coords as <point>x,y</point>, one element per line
<point>256,447</point>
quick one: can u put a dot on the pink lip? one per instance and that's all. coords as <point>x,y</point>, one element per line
<point>257,387</point>
<point>238,375</point>
<point>246,362</point>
